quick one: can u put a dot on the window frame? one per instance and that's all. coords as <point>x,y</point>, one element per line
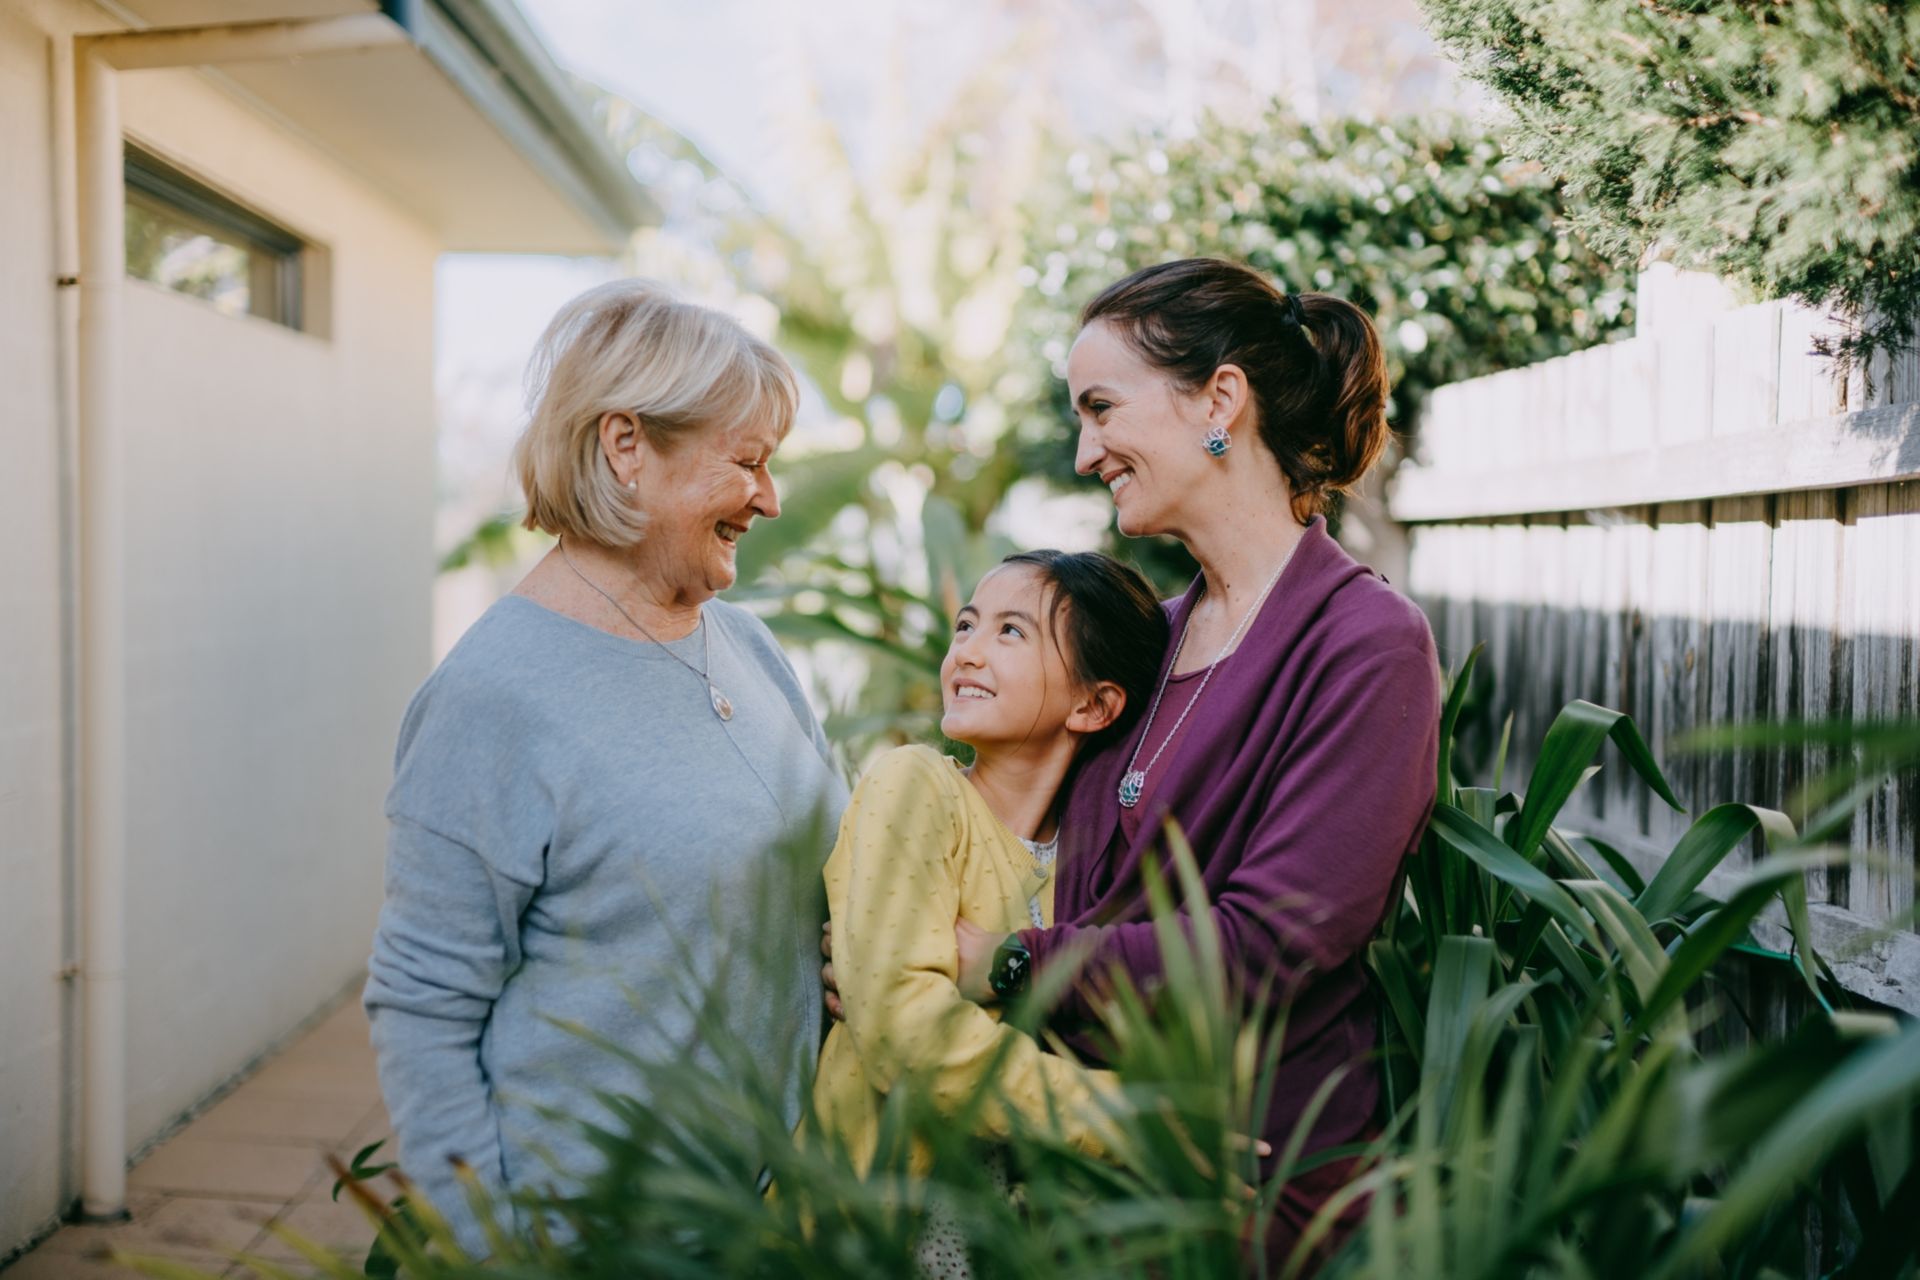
<point>157,182</point>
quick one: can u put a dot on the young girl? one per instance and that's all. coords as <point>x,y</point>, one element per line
<point>1054,655</point>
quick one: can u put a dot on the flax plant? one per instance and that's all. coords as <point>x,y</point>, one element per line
<point>1554,1110</point>
<point>1552,1106</point>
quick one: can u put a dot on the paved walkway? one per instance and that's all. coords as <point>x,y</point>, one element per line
<point>252,1159</point>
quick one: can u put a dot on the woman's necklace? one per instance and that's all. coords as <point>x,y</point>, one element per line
<point>722,705</point>
<point>1134,781</point>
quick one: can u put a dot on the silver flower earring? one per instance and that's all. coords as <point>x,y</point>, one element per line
<point>1217,441</point>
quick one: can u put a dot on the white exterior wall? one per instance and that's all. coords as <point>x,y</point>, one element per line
<point>280,584</point>
<point>32,930</point>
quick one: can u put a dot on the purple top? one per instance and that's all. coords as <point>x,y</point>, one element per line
<point>1302,778</point>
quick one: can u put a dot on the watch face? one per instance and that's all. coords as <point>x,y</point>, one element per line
<point>1010,965</point>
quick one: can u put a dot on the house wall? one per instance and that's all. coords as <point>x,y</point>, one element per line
<point>280,579</point>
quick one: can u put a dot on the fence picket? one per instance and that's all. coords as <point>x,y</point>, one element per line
<point>1746,370</point>
<point>1885,684</point>
<point>1804,638</point>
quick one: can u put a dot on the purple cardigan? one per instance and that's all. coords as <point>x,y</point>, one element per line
<point>1303,780</point>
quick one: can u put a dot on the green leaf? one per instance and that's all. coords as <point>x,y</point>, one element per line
<point>809,627</point>
<point>1793,894</point>
<point>1618,863</point>
<point>1393,971</point>
<point>1450,720</point>
<point>1645,959</point>
<point>360,1170</point>
<point>944,530</point>
<point>1500,756</point>
<point>1876,742</point>
<point>1706,844</point>
<point>1461,974</point>
<point>1710,937</point>
<point>1569,747</point>
<point>1488,1023</point>
<point>1464,836</point>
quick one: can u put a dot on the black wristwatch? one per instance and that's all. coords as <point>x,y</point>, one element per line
<point>1012,966</point>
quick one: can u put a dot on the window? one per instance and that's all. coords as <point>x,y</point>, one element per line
<point>185,236</point>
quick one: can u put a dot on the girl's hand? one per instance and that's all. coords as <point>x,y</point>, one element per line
<point>976,948</point>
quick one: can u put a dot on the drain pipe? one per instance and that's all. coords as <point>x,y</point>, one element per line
<point>103,655</point>
<point>101,215</point>
<point>66,312</point>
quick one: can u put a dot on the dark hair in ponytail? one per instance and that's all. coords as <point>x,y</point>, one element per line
<point>1109,624</point>
<point>1313,362</point>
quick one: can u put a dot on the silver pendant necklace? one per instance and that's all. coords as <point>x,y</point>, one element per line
<point>722,705</point>
<point>1133,783</point>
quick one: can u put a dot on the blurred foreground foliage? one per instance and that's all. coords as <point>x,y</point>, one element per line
<point>1553,1106</point>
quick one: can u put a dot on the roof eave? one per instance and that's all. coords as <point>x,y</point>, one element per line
<point>486,49</point>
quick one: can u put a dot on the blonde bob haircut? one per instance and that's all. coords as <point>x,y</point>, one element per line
<point>632,347</point>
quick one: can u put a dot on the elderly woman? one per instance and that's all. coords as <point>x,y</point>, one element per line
<point>593,791</point>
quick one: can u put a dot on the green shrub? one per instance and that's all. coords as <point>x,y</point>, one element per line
<point>1776,144</point>
<point>1460,251</point>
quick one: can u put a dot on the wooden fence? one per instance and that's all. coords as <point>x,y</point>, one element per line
<point>1701,526</point>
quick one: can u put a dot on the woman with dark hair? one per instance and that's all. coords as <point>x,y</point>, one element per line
<point>1293,729</point>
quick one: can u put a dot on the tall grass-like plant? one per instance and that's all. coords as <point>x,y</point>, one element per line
<point>1550,1111</point>
<point>703,1175</point>
<point>1555,1114</point>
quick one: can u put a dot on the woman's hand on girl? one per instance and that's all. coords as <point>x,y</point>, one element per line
<point>975,945</point>
<point>976,948</point>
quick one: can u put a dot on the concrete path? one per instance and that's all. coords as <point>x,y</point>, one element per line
<point>252,1159</point>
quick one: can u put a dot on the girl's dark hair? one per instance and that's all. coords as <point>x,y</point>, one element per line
<point>1109,625</point>
<point>1313,362</point>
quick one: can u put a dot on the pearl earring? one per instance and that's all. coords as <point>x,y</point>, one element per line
<point>1216,442</point>
<point>633,484</point>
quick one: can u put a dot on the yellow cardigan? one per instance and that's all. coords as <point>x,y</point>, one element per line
<point>918,847</point>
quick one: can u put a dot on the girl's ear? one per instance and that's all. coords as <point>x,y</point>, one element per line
<point>1096,708</point>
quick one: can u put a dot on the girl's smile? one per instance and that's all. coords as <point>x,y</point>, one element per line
<point>1003,677</point>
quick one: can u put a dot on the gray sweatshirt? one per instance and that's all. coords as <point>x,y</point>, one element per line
<point>575,835</point>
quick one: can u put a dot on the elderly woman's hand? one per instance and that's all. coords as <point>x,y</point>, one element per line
<point>831,995</point>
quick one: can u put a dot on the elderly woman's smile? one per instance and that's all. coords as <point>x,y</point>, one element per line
<point>703,495</point>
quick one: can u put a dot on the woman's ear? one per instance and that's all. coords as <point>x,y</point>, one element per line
<point>1096,708</point>
<point>623,443</point>
<point>1227,396</point>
